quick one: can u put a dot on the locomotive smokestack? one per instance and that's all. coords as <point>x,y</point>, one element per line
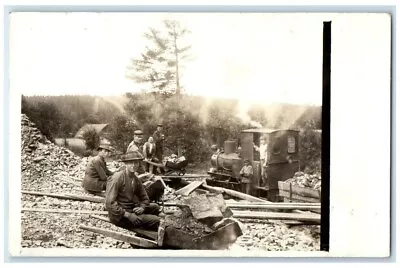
<point>230,147</point>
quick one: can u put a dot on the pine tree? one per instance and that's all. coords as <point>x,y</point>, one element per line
<point>160,63</point>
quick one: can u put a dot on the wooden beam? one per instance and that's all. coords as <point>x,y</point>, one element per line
<point>189,188</point>
<point>96,199</point>
<point>148,234</point>
<point>273,206</point>
<point>235,193</point>
<point>131,239</point>
<point>277,216</point>
<point>276,203</point>
<point>68,211</point>
<point>183,176</point>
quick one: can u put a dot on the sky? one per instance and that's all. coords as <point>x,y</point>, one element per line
<point>256,57</point>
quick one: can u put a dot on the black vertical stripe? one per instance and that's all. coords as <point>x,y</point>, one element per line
<point>326,138</point>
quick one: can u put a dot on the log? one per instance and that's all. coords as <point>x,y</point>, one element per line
<point>131,239</point>
<point>277,216</point>
<point>68,211</point>
<point>96,199</point>
<point>301,191</point>
<point>147,233</point>
<point>189,188</point>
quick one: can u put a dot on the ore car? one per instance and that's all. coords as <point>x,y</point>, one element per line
<point>283,160</point>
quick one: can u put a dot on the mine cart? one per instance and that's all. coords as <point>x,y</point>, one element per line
<point>171,167</point>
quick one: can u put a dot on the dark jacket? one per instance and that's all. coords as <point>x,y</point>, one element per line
<point>159,140</point>
<point>96,174</point>
<point>124,192</point>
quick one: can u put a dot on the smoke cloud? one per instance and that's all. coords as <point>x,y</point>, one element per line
<point>243,114</point>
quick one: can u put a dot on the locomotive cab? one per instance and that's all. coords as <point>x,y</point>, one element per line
<point>282,158</point>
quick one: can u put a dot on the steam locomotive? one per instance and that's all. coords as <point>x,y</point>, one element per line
<point>283,161</point>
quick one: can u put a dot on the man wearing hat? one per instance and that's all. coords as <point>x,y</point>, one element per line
<point>96,173</point>
<point>246,174</point>
<point>159,138</point>
<point>137,144</point>
<point>127,202</point>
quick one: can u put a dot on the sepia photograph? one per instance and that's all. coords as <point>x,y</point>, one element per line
<point>171,131</point>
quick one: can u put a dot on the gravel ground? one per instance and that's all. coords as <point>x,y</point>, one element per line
<point>46,167</point>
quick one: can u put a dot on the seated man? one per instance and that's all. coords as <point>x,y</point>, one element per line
<point>127,202</point>
<point>246,174</point>
<point>96,173</point>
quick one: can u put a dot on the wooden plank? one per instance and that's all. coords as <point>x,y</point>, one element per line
<point>273,206</point>
<point>96,199</point>
<point>131,239</point>
<point>68,211</point>
<point>278,203</point>
<point>189,188</point>
<point>183,176</point>
<point>147,233</point>
<point>297,190</point>
<point>287,206</point>
<point>296,197</point>
<point>277,216</point>
<point>236,194</point>
<point>294,223</point>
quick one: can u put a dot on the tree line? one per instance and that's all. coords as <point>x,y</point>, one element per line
<point>191,123</point>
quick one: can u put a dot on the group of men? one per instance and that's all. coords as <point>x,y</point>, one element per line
<point>128,198</point>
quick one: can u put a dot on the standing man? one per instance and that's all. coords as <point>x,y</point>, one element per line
<point>96,173</point>
<point>149,150</point>
<point>137,143</point>
<point>127,202</point>
<point>263,150</point>
<point>159,138</point>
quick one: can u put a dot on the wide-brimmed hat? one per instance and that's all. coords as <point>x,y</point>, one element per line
<point>246,161</point>
<point>159,125</point>
<point>105,146</point>
<point>132,156</point>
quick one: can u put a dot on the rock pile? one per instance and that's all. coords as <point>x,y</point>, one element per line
<point>276,236</point>
<point>306,180</point>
